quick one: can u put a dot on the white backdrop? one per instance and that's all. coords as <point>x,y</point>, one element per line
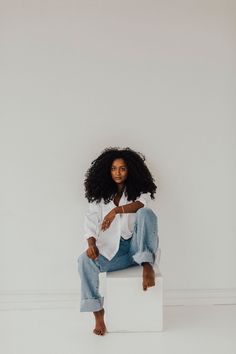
<point>79,76</point>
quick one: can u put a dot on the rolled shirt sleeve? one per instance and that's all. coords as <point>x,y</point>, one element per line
<point>144,198</point>
<point>92,221</point>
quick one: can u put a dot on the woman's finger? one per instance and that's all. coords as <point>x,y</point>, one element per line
<point>93,252</point>
<point>105,224</point>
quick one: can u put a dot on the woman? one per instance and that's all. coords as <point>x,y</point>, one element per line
<point>120,227</point>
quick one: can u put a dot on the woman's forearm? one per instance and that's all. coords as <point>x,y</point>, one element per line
<point>128,208</point>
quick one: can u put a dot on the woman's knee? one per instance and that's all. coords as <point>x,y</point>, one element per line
<point>85,263</point>
<point>82,259</point>
<point>146,211</point>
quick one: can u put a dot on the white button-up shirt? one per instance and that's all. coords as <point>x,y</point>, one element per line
<point>108,240</point>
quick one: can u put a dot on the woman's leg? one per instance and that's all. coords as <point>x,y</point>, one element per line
<point>89,270</point>
<point>144,244</point>
<point>123,259</point>
<point>145,240</point>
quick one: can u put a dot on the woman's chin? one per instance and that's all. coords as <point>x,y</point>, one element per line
<point>119,182</point>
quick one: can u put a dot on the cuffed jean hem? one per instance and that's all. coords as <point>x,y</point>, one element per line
<point>145,256</point>
<point>91,305</point>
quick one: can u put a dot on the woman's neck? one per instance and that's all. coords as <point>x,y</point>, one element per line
<point>120,189</point>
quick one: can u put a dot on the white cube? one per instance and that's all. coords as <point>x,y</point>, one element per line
<point>128,307</point>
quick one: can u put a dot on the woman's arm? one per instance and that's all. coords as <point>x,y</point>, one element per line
<point>128,208</point>
<point>91,221</point>
<point>142,201</point>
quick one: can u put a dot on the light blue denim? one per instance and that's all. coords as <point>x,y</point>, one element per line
<point>141,247</point>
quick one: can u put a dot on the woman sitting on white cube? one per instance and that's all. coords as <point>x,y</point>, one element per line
<point>120,227</point>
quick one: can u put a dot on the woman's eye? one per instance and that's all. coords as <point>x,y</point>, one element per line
<point>122,168</point>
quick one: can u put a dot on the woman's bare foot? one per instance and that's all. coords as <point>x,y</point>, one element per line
<point>148,275</point>
<point>100,327</point>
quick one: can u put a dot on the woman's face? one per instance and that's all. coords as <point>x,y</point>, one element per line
<point>119,171</point>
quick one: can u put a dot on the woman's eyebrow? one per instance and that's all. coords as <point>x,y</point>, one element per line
<point>119,166</point>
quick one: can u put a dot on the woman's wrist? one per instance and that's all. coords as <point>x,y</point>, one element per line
<point>119,210</point>
<point>91,241</point>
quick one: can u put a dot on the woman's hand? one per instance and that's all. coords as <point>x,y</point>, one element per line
<point>108,219</point>
<point>92,252</point>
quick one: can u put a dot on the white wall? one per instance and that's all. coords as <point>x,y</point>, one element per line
<point>79,76</point>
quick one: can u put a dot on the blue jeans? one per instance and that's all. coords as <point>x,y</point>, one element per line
<point>141,247</point>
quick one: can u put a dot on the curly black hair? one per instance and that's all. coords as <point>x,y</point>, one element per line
<point>99,183</point>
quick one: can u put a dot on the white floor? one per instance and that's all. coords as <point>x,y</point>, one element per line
<point>187,329</point>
